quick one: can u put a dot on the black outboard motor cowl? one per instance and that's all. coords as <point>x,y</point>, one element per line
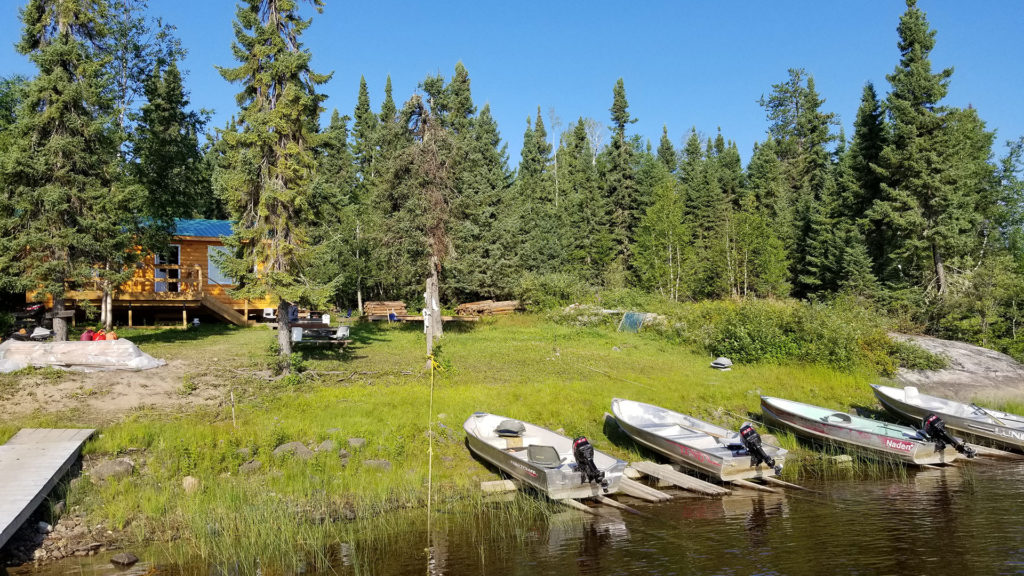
<point>935,429</point>
<point>752,442</point>
<point>583,452</point>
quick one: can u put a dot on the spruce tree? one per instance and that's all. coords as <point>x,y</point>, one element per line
<point>483,261</point>
<point>60,155</point>
<point>587,226</point>
<point>540,223</point>
<point>869,139</point>
<point>666,152</point>
<point>275,135</point>
<point>169,161</point>
<point>917,198</point>
<point>339,263</point>
<point>619,177</point>
<point>364,133</point>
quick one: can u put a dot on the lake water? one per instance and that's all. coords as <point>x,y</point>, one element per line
<point>960,521</point>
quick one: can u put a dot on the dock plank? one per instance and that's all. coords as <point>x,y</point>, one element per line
<point>679,479</point>
<point>31,464</point>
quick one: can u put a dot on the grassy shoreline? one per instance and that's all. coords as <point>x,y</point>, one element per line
<point>523,366</point>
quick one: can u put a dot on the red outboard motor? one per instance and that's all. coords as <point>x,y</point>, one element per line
<point>583,452</point>
<point>752,442</point>
<point>935,429</point>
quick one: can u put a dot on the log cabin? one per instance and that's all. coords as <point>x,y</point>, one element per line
<point>185,281</point>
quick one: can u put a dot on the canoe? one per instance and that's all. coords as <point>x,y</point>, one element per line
<point>695,444</point>
<point>863,435</point>
<point>539,457</point>
<point>1001,428</point>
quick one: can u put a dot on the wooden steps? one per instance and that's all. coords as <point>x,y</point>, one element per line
<point>221,309</point>
<point>31,464</point>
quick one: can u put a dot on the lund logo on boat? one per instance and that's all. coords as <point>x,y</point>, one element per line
<point>525,468</point>
<point>1010,433</point>
<point>899,445</point>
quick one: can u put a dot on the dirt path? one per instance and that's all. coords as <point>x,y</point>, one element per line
<point>974,373</point>
<point>105,395</point>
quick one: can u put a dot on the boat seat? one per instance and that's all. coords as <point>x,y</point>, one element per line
<point>837,417</point>
<point>545,456</point>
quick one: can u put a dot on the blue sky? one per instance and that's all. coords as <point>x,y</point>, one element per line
<point>702,64</point>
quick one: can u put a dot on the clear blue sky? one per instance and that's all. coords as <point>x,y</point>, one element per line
<point>685,64</point>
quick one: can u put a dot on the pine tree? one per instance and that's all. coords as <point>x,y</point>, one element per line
<point>364,133</point>
<point>587,227</point>
<point>483,263</point>
<point>706,215</point>
<point>869,138</point>
<point>275,137</point>
<point>666,152</point>
<point>339,263</point>
<point>540,223</point>
<point>60,157</point>
<point>801,133</point>
<point>856,276</point>
<point>915,191</point>
<point>388,110</point>
<point>169,162</point>
<point>619,177</point>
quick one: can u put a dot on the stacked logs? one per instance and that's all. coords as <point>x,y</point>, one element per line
<point>487,308</point>
<point>384,308</point>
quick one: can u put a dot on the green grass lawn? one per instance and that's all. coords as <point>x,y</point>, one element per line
<point>522,366</point>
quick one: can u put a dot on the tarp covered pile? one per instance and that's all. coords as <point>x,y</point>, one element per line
<point>79,356</point>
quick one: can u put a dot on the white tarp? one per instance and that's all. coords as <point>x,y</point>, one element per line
<point>79,356</point>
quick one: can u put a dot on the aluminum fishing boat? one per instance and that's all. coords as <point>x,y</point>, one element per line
<point>556,465</point>
<point>695,444</point>
<point>1002,428</point>
<point>863,435</point>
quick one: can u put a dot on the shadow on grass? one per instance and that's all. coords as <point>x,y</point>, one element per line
<point>174,335</point>
<point>362,335</point>
<point>617,436</point>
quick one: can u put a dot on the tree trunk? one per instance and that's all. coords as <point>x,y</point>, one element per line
<point>359,276</point>
<point>940,268</point>
<point>108,306</point>
<point>434,302</point>
<point>60,325</point>
<point>284,336</point>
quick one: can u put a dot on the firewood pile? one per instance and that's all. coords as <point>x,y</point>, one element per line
<point>384,308</point>
<point>487,308</point>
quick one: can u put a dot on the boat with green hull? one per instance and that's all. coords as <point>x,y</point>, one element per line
<point>873,438</point>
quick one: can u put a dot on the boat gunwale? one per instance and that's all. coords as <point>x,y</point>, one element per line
<point>915,456</point>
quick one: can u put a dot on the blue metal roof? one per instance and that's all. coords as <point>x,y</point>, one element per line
<point>205,228</point>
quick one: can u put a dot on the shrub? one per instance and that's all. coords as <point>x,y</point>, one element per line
<point>548,291</point>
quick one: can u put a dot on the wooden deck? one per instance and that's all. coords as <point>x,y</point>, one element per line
<point>31,464</point>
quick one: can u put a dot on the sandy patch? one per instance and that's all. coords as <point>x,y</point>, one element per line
<point>109,394</point>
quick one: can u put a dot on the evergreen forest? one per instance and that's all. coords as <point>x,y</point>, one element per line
<point>912,215</point>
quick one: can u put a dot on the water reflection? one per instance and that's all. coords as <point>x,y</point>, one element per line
<point>960,520</point>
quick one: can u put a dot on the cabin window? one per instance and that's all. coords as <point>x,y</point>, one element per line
<point>213,273</point>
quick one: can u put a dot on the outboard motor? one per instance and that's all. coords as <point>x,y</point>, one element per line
<point>935,429</point>
<point>752,442</point>
<point>583,452</point>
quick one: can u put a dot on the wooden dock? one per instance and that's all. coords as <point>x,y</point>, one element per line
<point>31,464</point>
<point>670,475</point>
